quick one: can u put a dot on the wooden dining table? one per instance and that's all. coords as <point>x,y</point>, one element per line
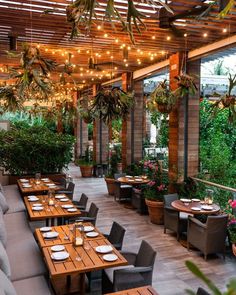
<point>41,187</point>
<point>49,212</point>
<point>190,207</point>
<point>146,290</point>
<point>133,180</point>
<point>82,259</point>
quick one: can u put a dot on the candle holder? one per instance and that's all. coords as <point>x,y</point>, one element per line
<point>78,234</point>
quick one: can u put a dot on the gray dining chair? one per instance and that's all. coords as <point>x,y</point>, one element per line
<point>122,191</point>
<point>82,203</point>
<point>173,220</point>
<point>116,235</point>
<point>137,273</point>
<point>208,237</point>
<point>69,191</point>
<point>90,215</point>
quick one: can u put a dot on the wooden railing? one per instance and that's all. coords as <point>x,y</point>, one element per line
<point>220,186</point>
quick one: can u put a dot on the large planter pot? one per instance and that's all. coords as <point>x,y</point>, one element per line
<point>53,176</point>
<point>86,170</point>
<point>156,211</point>
<point>234,249</point>
<point>110,185</point>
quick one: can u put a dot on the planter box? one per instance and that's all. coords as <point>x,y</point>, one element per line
<point>86,171</point>
<point>54,176</point>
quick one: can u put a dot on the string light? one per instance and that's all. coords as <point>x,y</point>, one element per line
<point>205,35</point>
<point>168,38</point>
<point>224,30</point>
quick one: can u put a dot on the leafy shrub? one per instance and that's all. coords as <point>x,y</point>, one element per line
<point>28,150</point>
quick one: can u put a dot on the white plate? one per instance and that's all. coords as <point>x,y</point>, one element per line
<point>207,208</point>
<point>196,209</point>
<point>26,185</point>
<point>128,176</point>
<point>88,228</point>
<point>51,235</point>
<point>72,210</point>
<point>138,179</point>
<point>185,200</point>
<point>92,234</point>
<point>45,179</point>
<point>45,229</point>
<point>50,184</point>
<point>130,180</point>
<point>68,206</point>
<point>64,199</point>
<point>59,196</point>
<point>37,208</point>
<point>104,249</point>
<point>60,255</point>
<point>110,257</point>
<point>196,200</point>
<point>37,205</point>
<point>33,199</point>
<point>57,248</point>
<point>24,180</point>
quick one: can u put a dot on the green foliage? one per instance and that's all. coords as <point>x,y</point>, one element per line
<point>231,286</point>
<point>87,159</point>
<point>28,150</point>
<point>116,130</point>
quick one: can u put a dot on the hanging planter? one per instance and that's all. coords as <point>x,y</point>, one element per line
<point>111,104</point>
<point>227,101</point>
<point>186,85</point>
<point>162,99</point>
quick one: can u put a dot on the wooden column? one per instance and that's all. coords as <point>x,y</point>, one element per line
<point>132,127</point>
<point>126,86</point>
<point>81,133</point>
<point>194,68</point>
<point>176,125</point>
<point>100,138</point>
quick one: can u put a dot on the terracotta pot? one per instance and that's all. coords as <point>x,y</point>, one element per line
<point>110,185</point>
<point>86,171</point>
<point>156,211</point>
<point>234,249</point>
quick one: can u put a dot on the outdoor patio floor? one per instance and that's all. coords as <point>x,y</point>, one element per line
<point>170,276</point>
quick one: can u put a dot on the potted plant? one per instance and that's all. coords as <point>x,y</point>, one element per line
<point>86,164</point>
<point>162,98</point>
<point>154,191</point>
<point>230,210</point>
<point>112,169</point>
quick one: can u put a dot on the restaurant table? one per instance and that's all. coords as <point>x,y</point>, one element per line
<point>146,290</point>
<point>82,259</point>
<point>134,181</point>
<point>65,235</point>
<point>187,207</point>
<point>42,187</point>
<point>49,212</point>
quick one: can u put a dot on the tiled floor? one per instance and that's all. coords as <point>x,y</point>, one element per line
<point>170,274</point>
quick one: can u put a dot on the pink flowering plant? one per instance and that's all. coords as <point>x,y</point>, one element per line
<point>231,211</point>
<point>157,187</point>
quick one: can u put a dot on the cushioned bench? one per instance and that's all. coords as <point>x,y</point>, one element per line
<point>13,197</point>
<point>21,259</point>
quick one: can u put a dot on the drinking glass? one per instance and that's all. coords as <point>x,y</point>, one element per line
<point>37,178</point>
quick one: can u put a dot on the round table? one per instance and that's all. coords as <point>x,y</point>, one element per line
<point>186,207</point>
<point>133,180</point>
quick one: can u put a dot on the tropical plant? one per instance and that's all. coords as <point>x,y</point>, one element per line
<point>82,13</point>
<point>227,101</point>
<point>186,85</point>
<point>28,150</point>
<point>30,78</point>
<point>112,104</point>
<point>223,13</point>
<point>87,159</point>
<point>231,286</point>
<point>162,98</point>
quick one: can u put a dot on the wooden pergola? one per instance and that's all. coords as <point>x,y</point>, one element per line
<point>43,23</point>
